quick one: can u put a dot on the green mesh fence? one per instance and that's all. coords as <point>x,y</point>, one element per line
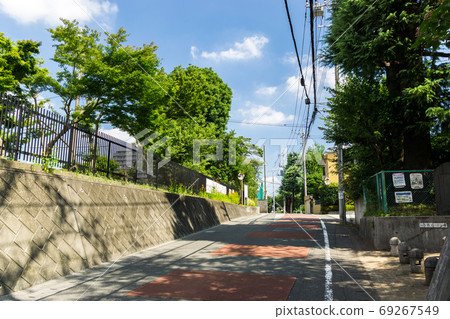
<point>391,192</point>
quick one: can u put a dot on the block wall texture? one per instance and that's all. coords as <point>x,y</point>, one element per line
<point>379,230</point>
<point>52,225</point>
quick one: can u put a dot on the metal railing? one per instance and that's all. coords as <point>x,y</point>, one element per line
<point>36,135</point>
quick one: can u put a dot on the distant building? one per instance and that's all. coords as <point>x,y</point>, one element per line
<point>329,164</point>
<point>126,159</point>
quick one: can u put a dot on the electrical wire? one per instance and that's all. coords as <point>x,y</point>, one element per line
<point>302,79</point>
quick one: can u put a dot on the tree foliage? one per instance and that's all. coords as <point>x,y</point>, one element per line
<point>201,93</point>
<point>328,194</point>
<point>106,81</point>
<point>292,182</point>
<point>101,79</point>
<point>379,47</point>
<point>434,29</point>
<point>20,67</point>
<point>391,108</point>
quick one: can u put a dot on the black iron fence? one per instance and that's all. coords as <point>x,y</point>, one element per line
<point>36,135</point>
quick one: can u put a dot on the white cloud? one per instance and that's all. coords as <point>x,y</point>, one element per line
<point>249,48</point>
<point>119,134</point>
<point>324,79</point>
<point>324,75</point>
<point>290,58</point>
<point>292,84</point>
<point>260,114</point>
<point>49,11</point>
<point>266,90</point>
<point>194,52</point>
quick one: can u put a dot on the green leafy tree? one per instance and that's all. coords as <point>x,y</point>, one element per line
<point>290,182</point>
<point>379,46</point>
<point>314,172</point>
<point>105,81</point>
<point>18,63</point>
<point>239,156</point>
<point>434,29</point>
<point>328,194</point>
<point>22,76</point>
<point>197,108</point>
<point>201,93</point>
<point>366,125</point>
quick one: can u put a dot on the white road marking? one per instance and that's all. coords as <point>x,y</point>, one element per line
<point>328,270</point>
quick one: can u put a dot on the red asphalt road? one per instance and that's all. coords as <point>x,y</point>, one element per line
<point>217,286</point>
<point>228,286</point>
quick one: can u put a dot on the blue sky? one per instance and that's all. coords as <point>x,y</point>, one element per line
<point>247,42</point>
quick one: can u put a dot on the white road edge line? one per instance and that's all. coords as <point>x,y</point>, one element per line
<point>328,269</point>
<point>331,258</point>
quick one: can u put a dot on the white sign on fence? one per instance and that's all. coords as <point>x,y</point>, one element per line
<point>416,180</point>
<point>399,180</point>
<point>403,197</point>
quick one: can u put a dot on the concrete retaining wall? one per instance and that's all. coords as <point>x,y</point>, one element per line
<point>52,225</point>
<point>440,284</point>
<point>378,231</point>
<point>360,209</point>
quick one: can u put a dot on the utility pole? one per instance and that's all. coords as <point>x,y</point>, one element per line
<point>273,191</point>
<point>305,183</point>
<point>312,15</point>
<point>265,172</point>
<point>340,155</point>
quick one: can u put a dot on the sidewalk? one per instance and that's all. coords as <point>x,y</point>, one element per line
<point>390,279</point>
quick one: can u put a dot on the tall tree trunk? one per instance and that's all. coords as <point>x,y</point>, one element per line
<point>417,149</point>
<point>415,152</point>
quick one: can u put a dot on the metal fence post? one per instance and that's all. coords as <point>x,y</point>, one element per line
<point>70,155</point>
<point>109,157</point>
<point>157,173</point>
<point>94,164</point>
<point>19,133</point>
<point>383,176</point>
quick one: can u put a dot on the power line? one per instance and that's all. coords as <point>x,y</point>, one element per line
<point>300,118</point>
<point>311,24</point>
<point>302,79</point>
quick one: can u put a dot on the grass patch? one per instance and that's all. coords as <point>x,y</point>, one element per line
<point>406,210</point>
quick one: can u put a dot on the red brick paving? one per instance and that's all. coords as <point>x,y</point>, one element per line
<point>302,216</point>
<point>229,286</point>
<point>217,286</point>
<point>294,225</point>
<point>275,234</point>
<point>263,251</point>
